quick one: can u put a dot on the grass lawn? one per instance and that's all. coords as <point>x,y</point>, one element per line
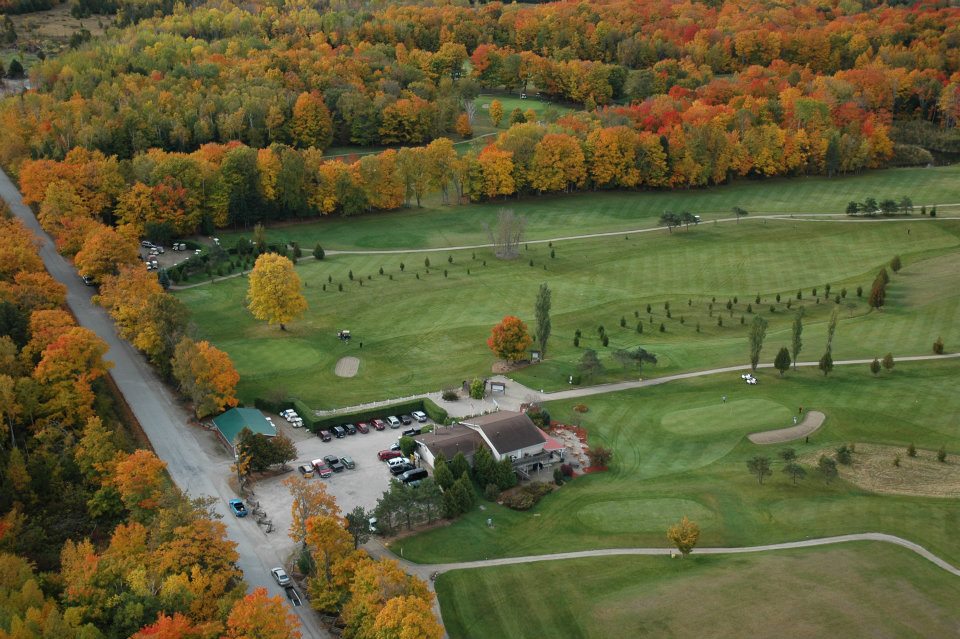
<point>425,330</point>
<point>665,467</point>
<point>854,590</point>
<point>559,216</point>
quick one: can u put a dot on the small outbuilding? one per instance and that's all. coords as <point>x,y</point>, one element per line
<point>230,423</point>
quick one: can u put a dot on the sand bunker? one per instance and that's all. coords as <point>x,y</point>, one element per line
<point>812,421</point>
<point>347,367</point>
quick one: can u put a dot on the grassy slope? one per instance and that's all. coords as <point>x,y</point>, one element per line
<point>855,590</point>
<point>660,475</point>
<point>556,216</point>
<point>421,334</point>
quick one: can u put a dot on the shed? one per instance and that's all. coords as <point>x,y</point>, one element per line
<point>230,423</point>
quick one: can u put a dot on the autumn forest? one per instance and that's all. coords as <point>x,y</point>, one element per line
<point>188,118</point>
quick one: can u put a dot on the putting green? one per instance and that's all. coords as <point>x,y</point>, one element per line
<point>744,415</point>
<point>642,514</point>
<point>288,354</point>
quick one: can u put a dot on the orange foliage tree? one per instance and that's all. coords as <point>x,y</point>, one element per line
<point>141,481</point>
<point>258,616</point>
<point>206,375</point>
<point>510,339</point>
<point>104,252</point>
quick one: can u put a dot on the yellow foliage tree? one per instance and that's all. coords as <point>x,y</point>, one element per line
<point>258,616</point>
<point>309,499</point>
<point>684,535</point>
<point>407,618</point>
<point>558,163</point>
<point>274,294</point>
<point>496,169</point>
<point>496,113</point>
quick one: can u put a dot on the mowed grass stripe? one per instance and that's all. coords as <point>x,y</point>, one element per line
<point>563,215</point>
<point>423,334</point>
<point>853,590</point>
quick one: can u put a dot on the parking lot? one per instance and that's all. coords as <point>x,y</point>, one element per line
<point>361,486</point>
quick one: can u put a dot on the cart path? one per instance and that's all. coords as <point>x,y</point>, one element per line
<point>517,393</point>
<point>426,570</point>
<point>797,217</point>
<point>811,422</point>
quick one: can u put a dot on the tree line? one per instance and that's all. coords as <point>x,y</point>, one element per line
<point>95,541</point>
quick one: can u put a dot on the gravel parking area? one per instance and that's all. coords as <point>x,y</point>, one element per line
<point>361,486</point>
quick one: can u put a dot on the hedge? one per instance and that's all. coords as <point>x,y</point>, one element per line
<point>315,423</point>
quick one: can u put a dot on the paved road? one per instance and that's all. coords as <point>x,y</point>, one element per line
<point>162,418</point>
<point>425,570</point>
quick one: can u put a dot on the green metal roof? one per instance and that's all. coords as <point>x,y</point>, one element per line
<point>236,419</point>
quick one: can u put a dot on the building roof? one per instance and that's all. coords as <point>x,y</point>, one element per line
<point>234,420</point>
<point>450,440</point>
<point>552,444</point>
<point>507,431</point>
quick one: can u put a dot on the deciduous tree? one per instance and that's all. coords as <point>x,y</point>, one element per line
<point>274,293</point>
<point>684,535</point>
<point>759,466</point>
<point>206,375</point>
<point>258,616</point>
<point>309,499</point>
<point>407,618</point>
<point>510,339</point>
<point>140,479</point>
<point>104,252</point>
<point>496,113</point>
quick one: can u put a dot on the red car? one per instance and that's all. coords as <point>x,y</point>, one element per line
<point>322,469</point>
<point>384,455</point>
<point>379,424</point>
<point>363,427</point>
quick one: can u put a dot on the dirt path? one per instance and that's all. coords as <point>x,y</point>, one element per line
<point>810,423</point>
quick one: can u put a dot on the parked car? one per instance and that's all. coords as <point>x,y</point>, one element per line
<point>379,424</point>
<point>384,455</point>
<point>372,524</point>
<point>396,461</point>
<point>414,476</point>
<point>322,469</point>
<point>306,470</point>
<point>393,421</point>
<point>237,507</point>
<point>146,244</point>
<point>400,469</point>
<point>339,432</point>
<point>347,461</point>
<point>419,415</point>
<point>350,428</point>
<point>406,419</point>
<point>89,281</point>
<point>280,576</point>
<point>395,446</point>
<point>334,463</point>
<point>363,427</point>
<point>411,432</point>
<point>325,435</point>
